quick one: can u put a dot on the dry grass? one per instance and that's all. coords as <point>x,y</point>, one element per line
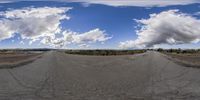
<point>11,60</point>
<point>187,59</point>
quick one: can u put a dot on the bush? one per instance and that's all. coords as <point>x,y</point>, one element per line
<point>179,51</point>
<point>104,52</point>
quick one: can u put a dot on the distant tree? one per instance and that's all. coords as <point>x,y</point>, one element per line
<point>160,50</point>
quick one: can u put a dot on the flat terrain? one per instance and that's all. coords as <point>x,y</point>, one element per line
<point>15,59</point>
<point>58,76</point>
<point>187,59</point>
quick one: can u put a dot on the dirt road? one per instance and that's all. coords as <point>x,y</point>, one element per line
<point>58,76</point>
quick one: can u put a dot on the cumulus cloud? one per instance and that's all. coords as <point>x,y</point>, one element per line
<point>44,24</point>
<point>168,27</point>
<point>141,3</point>
<point>53,41</point>
<point>95,35</point>
<point>81,39</point>
<point>32,23</point>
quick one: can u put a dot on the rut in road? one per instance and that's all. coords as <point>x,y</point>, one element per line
<point>58,76</point>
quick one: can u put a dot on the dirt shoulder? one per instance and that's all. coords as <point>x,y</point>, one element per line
<point>188,59</point>
<point>12,60</point>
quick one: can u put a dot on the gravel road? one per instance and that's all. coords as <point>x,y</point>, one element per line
<point>58,76</point>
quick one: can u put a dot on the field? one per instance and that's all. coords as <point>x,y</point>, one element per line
<point>11,59</point>
<point>188,58</point>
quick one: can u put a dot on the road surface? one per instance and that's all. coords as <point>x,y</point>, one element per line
<point>58,76</point>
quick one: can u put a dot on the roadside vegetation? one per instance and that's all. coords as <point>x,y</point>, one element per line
<point>7,51</point>
<point>179,51</point>
<point>104,52</point>
<point>11,58</point>
<point>186,57</point>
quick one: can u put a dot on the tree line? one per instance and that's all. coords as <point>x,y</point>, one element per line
<point>104,52</point>
<point>179,51</point>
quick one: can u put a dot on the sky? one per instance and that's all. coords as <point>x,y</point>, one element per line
<point>100,24</point>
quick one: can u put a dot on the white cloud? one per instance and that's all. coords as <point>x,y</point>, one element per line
<point>95,35</point>
<point>197,13</point>
<point>5,1</point>
<point>22,42</point>
<point>42,12</point>
<point>32,23</point>
<point>6,31</point>
<point>43,24</point>
<point>84,46</point>
<point>53,41</point>
<point>81,39</point>
<point>141,3</point>
<point>168,27</point>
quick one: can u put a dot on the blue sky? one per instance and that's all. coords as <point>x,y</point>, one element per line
<point>99,25</point>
